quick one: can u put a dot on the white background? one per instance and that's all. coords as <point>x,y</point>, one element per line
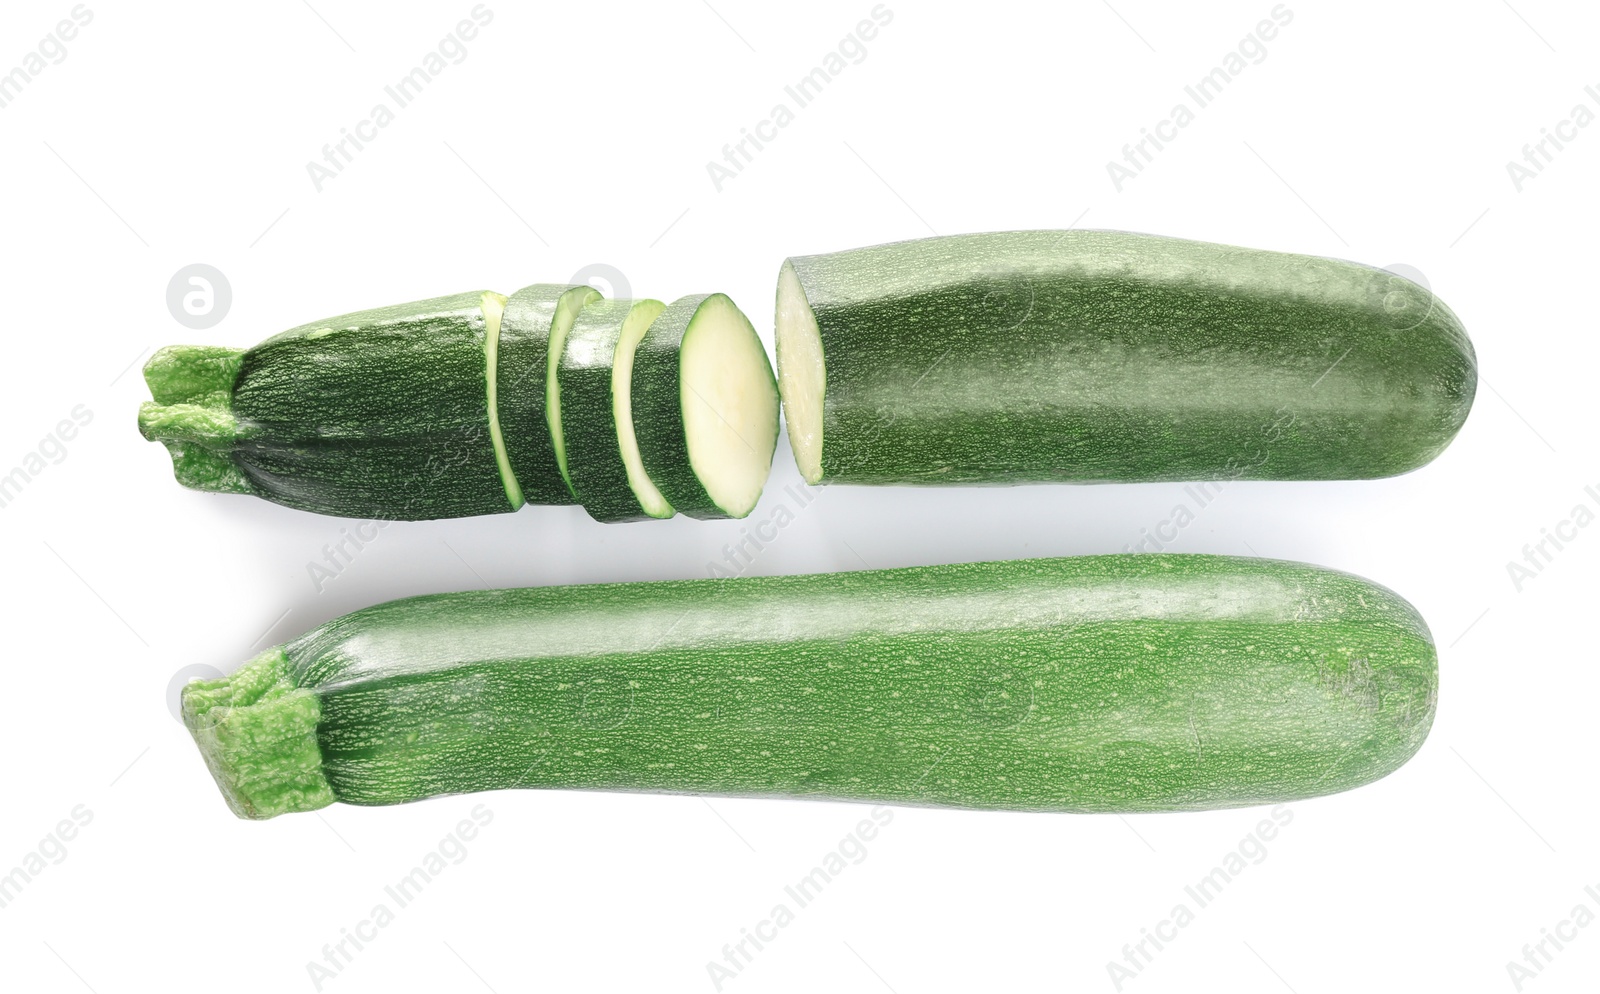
<point>576,134</point>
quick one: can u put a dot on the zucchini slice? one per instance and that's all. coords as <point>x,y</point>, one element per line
<point>377,414</point>
<point>1100,356</point>
<point>532,332</point>
<point>593,385</point>
<point>494,309</point>
<point>1105,683</point>
<point>705,407</point>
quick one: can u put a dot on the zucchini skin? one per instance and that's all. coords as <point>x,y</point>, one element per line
<point>595,468</point>
<point>376,414</point>
<point>1098,356</point>
<point>658,421</point>
<point>525,363</point>
<point>1105,683</point>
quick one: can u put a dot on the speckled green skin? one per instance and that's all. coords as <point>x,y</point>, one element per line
<point>524,364</point>
<point>1110,683</point>
<point>658,410</point>
<point>1099,356</point>
<point>595,468</point>
<point>377,414</point>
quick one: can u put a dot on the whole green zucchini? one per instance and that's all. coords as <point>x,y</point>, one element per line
<point>1100,356</point>
<point>1109,683</point>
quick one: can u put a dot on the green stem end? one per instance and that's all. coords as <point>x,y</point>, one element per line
<point>192,414</point>
<point>258,733</point>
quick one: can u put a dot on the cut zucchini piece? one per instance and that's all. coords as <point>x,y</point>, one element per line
<point>802,376</point>
<point>1101,356</point>
<point>593,382</point>
<point>649,495</point>
<point>705,407</point>
<point>494,309</point>
<point>532,331</point>
<point>377,414</point>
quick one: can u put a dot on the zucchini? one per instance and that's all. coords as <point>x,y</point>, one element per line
<point>381,414</point>
<point>532,333</point>
<point>598,445</point>
<point>705,407</point>
<point>1105,683</point>
<point>453,406</point>
<point>1099,356</point>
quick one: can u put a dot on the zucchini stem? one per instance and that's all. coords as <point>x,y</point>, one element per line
<point>258,733</point>
<point>192,414</point>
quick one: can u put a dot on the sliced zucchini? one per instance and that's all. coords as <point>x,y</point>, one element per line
<point>342,416</point>
<point>802,374</point>
<point>494,310</point>
<point>532,332</point>
<point>705,407</point>
<point>597,441</point>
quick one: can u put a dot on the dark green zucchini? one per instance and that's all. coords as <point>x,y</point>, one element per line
<point>377,414</point>
<point>532,333</point>
<point>1099,356</point>
<point>599,452</point>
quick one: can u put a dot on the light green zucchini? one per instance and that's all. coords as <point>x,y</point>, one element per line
<point>1108,683</point>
